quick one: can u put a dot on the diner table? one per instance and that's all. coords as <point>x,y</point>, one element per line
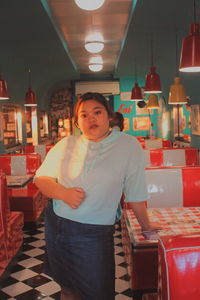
<point>141,248</point>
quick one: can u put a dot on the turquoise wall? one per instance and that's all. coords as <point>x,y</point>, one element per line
<point>128,108</point>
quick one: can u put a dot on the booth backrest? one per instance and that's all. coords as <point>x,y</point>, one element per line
<point>155,143</point>
<point>40,149</point>
<point>4,204</point>
<point>171,157</point>
<point>173,186</point>
<point>19,164</point>
<point>179,267</point>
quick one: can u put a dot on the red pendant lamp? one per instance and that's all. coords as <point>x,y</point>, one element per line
<point>3,89</point>
<point>30,98</point>
<point>136,94</point>
<point>152,83</point>
<point>190,52</point>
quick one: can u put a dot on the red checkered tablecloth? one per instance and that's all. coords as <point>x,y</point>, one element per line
<point>180,220</point>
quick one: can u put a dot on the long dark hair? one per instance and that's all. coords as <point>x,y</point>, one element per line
<point>91,96</point>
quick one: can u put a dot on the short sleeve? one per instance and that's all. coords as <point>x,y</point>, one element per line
<point>135,187</point>
<point>50,165</point>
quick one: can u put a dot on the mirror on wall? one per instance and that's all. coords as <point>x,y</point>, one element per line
<point>11,125</point>
<point>44,125</point>
<point>31,125</point>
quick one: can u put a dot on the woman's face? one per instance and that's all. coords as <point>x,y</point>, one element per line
<point>93,120</point>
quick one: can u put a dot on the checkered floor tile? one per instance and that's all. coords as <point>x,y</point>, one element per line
<point>28,282</point>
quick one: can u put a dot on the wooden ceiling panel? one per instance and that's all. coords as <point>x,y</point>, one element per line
<point>75,24</point>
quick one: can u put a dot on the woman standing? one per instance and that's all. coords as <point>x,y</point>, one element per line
<point>85,176</point>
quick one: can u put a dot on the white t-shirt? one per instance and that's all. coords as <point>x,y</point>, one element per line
<point>102,169</point>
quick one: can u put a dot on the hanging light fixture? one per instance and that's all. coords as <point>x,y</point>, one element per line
<point>190,52</point>
<point>94,46</point>
<point>153,102</point>
<point>94,42</point>
<point>152,83</point>
<point>30,98</point>
<point>95,67</point>
<point>177,94</point>
<point>96,60</point>
<point>89,4</point>
<point>3,89</point>
<point>136,94</point>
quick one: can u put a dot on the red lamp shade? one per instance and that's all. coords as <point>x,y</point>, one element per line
<point>30,99</point>
<point>136,93</point>
<point>152,84</point>
<point>190,52</point>
<point>3,90</point>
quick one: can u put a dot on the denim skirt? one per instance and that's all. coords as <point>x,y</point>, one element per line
<point>80,257</point>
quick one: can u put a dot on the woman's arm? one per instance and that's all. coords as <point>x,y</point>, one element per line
<point>50,188</point>
<point>140,211</point>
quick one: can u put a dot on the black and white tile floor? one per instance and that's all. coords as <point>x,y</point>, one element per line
<point>28,282</point>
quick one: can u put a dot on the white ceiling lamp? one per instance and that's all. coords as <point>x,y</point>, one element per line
<point>94,46</point>
<point>94,42</point>
<point>95,67</point>
<point>89,4</point>
<point>96,60</point>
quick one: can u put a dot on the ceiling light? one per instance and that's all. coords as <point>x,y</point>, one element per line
<point>94,47</point>
<point>190,52</point>
<point>30,98</point>
<point>96,60</point>
<point>3,90</point>
<point>89,4</point>
<point>153,102</point>
<point>95,67</point>
<point>136,93</point>
<point>177,94</point>
<point>152,84</point>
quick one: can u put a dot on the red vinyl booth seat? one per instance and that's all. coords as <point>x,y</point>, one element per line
<point>40,149</point>
<point>155,143</point>
<point>27,199</point>
<point>19,164</point>
<point>179,267</point>
<point>171,157</point>
<point>173,186</point>
<point>141,249</point>
<point>11,225</point>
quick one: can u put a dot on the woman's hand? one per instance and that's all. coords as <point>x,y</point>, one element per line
<point>51,189</point>
<point>74,197</point>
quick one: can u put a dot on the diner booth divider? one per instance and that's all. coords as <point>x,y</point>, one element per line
<point>27,198</point>
<point>40,149</point>
<point>171,157</point>
<point>174,191</point>
<point>154,143</point>
<point>11,228</point>
<point>179,267</point>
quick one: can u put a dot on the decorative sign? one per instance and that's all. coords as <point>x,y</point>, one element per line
<point>195,119</point>
<point>126,124</point>
<point>141,123</point>
<point>124,109</point>
<point>125,96</point>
